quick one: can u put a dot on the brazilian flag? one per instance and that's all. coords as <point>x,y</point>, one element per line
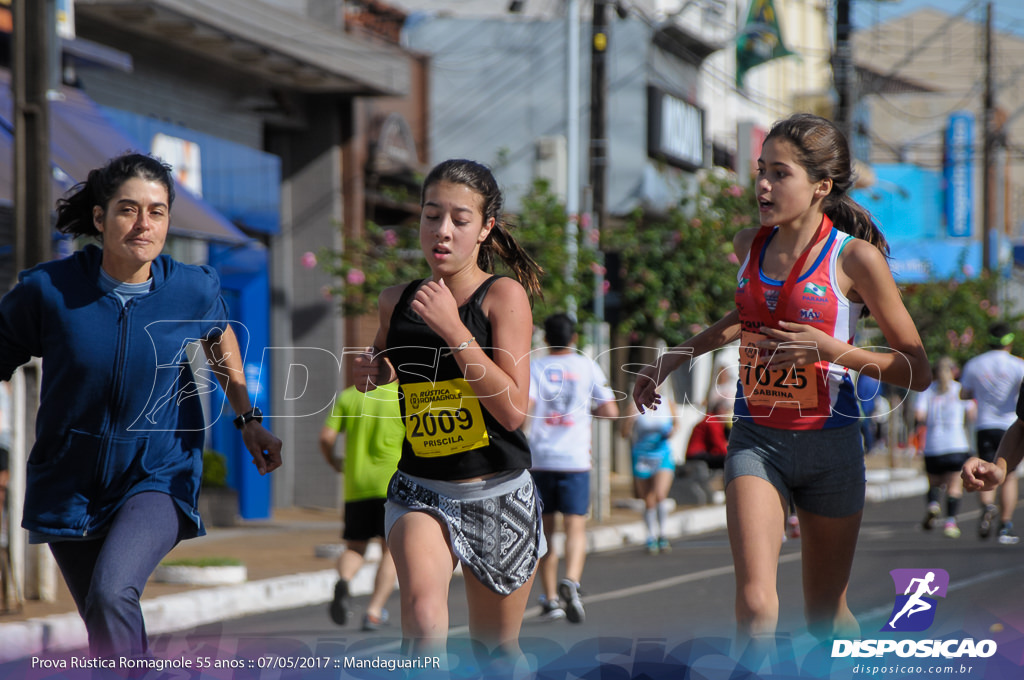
<point>760,40</point>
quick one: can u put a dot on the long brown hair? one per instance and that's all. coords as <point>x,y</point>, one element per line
<point>500,242</point>
<point>822,151</point>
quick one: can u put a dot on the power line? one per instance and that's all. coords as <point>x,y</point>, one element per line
<point>914,50</point>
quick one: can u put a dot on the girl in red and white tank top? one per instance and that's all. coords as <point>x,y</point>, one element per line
<point>819,395</point>
<point>801,288</point>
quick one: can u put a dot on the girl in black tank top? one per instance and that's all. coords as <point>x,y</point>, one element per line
<point>448,435</point>
<point>459,344</point>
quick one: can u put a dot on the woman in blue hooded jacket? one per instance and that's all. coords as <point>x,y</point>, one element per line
<point>113,476</point>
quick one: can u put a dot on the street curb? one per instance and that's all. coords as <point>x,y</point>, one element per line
<point>183,611</point>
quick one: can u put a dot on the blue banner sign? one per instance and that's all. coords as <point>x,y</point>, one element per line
<point>958,174</point>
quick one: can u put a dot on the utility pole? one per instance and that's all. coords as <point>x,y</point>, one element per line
<point>987,141</point>
<point>598,178</point>
<point>33,32</point>
<point>30,81</point>
<point>598,116</point>
<point>841,67</point>
<point>572,185</point>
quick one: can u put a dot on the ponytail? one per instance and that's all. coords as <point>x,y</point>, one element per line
<point>851,217</point>
<point>501,243</point>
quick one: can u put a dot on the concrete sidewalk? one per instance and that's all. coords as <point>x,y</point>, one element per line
<point>290,563</point>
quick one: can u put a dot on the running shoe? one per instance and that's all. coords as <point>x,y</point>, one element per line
<point>664,546</point>
<point>932,516</point>
<point>951,530</point>
<point>570,592</point>
<point>652,546</point>
<point>1007,536</point>
<point>371,622</point>
<point>988,516</point>
<point>551,610</point>
<point>338,609</point>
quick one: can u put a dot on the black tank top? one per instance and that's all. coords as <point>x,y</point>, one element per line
<point>448,433</point>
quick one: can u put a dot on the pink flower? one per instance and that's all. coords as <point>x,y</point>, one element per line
<point>390,238</point>
<point>606,286</point>
<point>597,269</point>
<point>968,270</point>
<point>984,304</point>
<point>664,304</point>
<point>356,277</point>
<point>733,259</point>
<point>735,190</point>
<point>309,260</point>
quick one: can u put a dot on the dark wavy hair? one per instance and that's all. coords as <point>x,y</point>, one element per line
<point>500,242</point>
<point>74,211</point>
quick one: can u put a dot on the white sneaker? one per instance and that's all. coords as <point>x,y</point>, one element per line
<point>551,610</point>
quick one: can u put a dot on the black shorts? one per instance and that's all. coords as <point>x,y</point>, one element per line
<point>364,520</point>
<point>943,463</point>
<point>988,443</point>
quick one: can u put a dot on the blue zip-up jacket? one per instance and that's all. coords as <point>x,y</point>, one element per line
<point>120,409</point>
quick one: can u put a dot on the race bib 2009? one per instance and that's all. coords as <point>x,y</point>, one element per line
<point>443,418</point>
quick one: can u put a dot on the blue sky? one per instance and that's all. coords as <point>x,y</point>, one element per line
<point>1008,15</point>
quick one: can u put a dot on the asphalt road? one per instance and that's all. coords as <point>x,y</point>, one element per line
<point>653,616</point>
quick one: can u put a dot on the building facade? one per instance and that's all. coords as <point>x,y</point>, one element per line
<point>921,90</point>
<point>270,113</point>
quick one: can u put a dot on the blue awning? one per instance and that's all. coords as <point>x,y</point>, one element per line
<point>81,139</point>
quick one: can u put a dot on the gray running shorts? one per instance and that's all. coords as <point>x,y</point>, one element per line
<point>820,471</point>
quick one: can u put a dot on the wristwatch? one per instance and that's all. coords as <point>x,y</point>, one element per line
<point>255,414</point>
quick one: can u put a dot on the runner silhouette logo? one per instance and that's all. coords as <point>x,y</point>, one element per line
<point>916,590</point>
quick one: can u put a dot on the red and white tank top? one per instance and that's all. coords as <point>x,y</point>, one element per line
<point>813,397</point>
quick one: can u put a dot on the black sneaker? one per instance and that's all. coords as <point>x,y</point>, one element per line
<point>338,608</point>
<point>569,591</point>
<point>988,516</point>
<point>931,517</point>
<point>1007,536</point>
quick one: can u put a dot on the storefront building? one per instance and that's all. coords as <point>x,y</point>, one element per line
<point>267,115</point>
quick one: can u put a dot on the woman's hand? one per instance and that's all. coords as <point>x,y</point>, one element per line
<point>980,475</point>
<point>371,370</point>
<point>645,389</point>
<point>794,344</point>
<point>264,447</point>
<point>436,305</point>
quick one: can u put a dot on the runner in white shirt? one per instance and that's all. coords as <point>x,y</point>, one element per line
<point>993,379</point>
<point>566,389</point>
<point>945,416</point>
